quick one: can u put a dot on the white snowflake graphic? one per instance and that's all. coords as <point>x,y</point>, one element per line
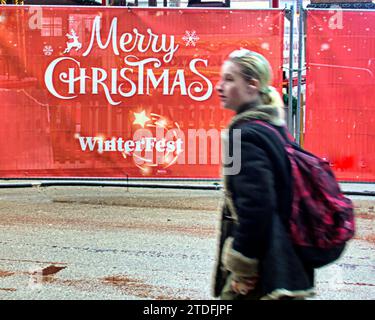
<point>190,38</point>
<point>48,50</point>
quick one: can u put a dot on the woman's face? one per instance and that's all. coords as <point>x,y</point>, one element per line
<point>233,90</point>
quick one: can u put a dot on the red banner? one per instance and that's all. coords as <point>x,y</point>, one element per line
<point>114,92</point>
<point>340,121</point>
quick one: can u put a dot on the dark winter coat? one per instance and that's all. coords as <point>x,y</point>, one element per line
<point>254,239</point>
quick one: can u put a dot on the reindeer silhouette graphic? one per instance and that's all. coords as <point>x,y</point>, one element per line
<point>72,44</point>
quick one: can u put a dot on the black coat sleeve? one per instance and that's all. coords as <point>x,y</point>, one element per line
<point>254,200</point>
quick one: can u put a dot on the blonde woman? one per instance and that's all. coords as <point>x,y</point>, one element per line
<point>256,259</point>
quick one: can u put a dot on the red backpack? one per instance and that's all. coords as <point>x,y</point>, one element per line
<point>322,218</point>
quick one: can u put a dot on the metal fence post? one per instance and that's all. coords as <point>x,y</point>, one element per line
<point>290,17</point>
<point>300,68</point>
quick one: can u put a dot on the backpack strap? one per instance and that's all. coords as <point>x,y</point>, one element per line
<point>285,141</point>
<point>286,144</point>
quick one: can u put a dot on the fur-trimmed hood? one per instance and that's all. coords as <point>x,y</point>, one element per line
<point>271,114</point>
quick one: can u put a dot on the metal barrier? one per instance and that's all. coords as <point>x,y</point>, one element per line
<point>360,160</point>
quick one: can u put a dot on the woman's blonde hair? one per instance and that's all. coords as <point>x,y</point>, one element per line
<point>254,66</point>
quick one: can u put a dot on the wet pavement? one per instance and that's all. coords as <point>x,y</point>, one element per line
<point>134,243</point>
